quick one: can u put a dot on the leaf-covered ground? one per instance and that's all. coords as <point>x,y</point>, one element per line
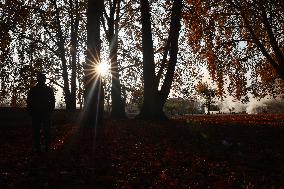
<point>225,151</point>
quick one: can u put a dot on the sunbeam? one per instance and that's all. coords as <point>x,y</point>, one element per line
<point>102,68</point>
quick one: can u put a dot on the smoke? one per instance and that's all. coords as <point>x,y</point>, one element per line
<point>254,106</point>
<point>267,105</point>
<point>231,105</point>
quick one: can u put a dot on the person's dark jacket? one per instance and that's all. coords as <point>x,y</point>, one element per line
<point>40,100</point>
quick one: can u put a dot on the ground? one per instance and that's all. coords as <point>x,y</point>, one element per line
<point>218,151</point>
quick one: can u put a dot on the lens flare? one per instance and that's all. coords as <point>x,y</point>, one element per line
<point>102,68</point>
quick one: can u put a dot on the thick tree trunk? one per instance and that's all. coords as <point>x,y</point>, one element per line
<point>118,110</point>
<point>117,104</point>
<point>93,103</point>
<point>151,108</point>
<point>154,99</point>
<point>153,111</point>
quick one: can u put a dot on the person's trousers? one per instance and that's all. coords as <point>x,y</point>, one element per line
<point>41,123</point>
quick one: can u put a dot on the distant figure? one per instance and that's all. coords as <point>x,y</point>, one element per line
<point>40,105</point>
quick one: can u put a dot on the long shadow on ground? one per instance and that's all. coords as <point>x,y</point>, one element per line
<point>185,153</point>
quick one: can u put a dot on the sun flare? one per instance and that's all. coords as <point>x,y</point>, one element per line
<point>102,68</point>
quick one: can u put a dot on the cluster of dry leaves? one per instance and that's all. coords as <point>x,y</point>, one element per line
<point>228,151</point>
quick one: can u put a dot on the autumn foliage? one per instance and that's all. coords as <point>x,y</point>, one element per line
<point>235,40</point>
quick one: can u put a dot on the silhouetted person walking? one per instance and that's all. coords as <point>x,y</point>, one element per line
<point>40,104</point>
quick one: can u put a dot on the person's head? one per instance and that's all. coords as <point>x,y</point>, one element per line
<point>41,78</point>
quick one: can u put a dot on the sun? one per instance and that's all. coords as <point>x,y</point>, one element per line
<point>102,68</point>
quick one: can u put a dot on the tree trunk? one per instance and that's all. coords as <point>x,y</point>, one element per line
<point>73,52</point>
<point>208,108</point>
<point>117,105</point>
<point>151,107</point>
<point>118,110</point>
<point>66,88</point>
<point>173,51</point>
<point>154,99</point>
<point>93,103</point>
<point>61,47</point>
